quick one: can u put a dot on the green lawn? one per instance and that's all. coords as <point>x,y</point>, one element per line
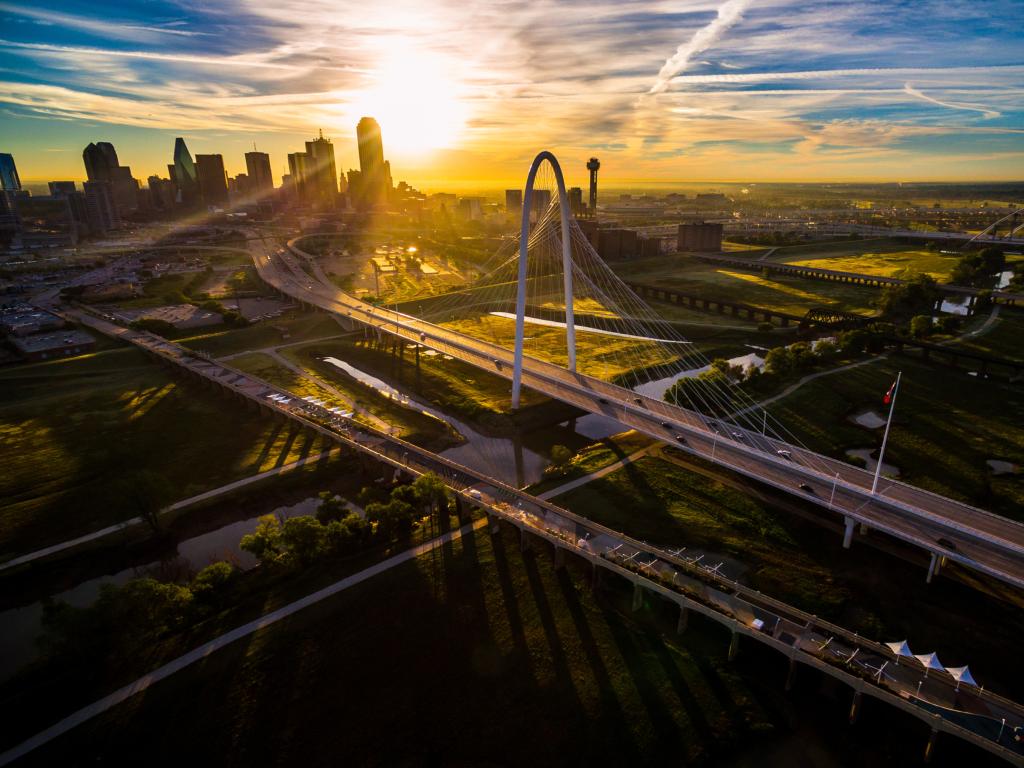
<point>947,424</point>
<point>73,431</point>
<point>782,293</point>
<point>413,425</point>
<point>482,655</point>
<point>1004,339</point>
<point>885,263</point>
<point>452,386</point>
<point>291,327</point>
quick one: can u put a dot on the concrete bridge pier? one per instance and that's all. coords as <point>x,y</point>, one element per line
<point>855,707</point>
<point>684,620</point>
<point>848,532</point>
<point>559,557</point>
<point>638,596</point>
<point>494,524</point>
<point>929,749</point>
<point>933,568</point>
<point>734,645</point>
<point>791,674</point>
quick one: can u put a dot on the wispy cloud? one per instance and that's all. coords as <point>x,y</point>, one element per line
<point>728,14</point>
<point>911,90</point>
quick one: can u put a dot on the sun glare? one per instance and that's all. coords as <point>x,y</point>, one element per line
<point>415,98</point>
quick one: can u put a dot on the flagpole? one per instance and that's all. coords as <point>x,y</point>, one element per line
<point>885,437</point>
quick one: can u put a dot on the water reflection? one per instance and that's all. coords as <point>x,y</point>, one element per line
<point>21,626</point>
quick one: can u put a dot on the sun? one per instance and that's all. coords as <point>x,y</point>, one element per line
<point>416,98</point>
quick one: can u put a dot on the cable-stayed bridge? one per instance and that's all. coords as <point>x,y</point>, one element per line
<point>717,423</point>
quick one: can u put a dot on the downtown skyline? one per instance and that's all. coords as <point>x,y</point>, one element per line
<point>700,91</point>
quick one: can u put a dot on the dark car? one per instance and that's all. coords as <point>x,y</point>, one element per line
<point>666,425</point>
<point>602,401</point>
<point>639,402</point>
<point>681,439</point>
<point>944,542</point>
<point>806,488</point>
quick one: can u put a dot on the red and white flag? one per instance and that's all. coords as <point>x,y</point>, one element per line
<point>888,395</point>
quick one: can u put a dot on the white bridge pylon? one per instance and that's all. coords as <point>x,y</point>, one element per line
<point>524,237</point>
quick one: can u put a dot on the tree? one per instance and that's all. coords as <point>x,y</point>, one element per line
<point>801,355</point>
<point>302,538</point>
<point>918,295</point>
<point>210,584</point>
<point>265,542</point>
<point>560,455</point>
<point>146,493</point>
<point>331,507</point>
<point>393,519</point>
<point>153,325</point>
<point>433,491</point>
<point>920,326</point>
<point>852,342</point>
<point>825,349</point>
<point>778,360</point>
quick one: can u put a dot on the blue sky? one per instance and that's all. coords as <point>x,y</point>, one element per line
<point>661,89</point>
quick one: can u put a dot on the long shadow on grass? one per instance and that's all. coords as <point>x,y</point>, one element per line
<point>612,715</point>
<point>633,649</point>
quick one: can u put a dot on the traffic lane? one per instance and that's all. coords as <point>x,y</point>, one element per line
<point>571,381</point>
<point>907,526</point>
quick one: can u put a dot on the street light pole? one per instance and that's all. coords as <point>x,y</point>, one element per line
<point>885,437</point>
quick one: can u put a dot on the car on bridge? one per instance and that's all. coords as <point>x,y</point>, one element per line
<point>806,488</point>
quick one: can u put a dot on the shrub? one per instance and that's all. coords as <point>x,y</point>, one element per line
<point>152,325</point>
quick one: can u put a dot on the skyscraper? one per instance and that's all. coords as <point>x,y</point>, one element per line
<point>371,163</point>
<point>575,195</point>
<point>321,173</point>
<point>514,202</point>
<point>100,209</point>
<point>257,167</point>
<point>61,187</point>
<point>185,174</point>
<point>101,164</point>
<point>297,167</point>
<point>213,179</point>
<point>9,179</point>
<point>100,161</point>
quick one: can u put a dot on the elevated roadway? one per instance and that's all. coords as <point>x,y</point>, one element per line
<point>946,528</point>
<point>869,668</point>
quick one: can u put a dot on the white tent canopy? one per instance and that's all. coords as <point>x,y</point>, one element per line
<point>961,675</point>
<point>900,649</point>
<point>929,661</point>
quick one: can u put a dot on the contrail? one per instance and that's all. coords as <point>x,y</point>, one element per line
<point>912,91</point>
<point>728,14</point>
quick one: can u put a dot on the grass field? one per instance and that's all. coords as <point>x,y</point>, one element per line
<point>946,425</point>
<point>72,432</point>
<point>291,327</point>
<point>483,655</point>
<point>881,596</point>
<point>411,424</point>
<point>785,294</point>
<point>1004,339</point>
<point>596,354</point>
<point>455,387</point>
<point>885,263</point>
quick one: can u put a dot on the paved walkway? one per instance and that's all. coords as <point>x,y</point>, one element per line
<point>178,505</point>
<point>597,473</point>
<point>204,650</point>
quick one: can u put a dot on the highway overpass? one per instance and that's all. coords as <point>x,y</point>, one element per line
<point>946,528</point>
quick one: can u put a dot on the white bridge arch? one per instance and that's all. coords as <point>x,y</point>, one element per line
<point>524,237</point>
